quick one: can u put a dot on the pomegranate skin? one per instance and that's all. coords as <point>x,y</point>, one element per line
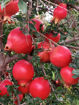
<point>23,70</point>
<point>60,56</point>
<point>18,42</point>
<point>11,8</point>
<point>40,88</point>
<point>66,74</point>
<point>50,36</point>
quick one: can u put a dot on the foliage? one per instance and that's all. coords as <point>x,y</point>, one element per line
<point>68,28</point>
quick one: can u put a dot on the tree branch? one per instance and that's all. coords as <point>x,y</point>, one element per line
<point>69,41</point>
<point>10,59</point>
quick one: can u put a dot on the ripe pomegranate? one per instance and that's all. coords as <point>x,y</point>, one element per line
<point>3,90</point>
<point>45,54</point>
<point>10,9</point>
<point>24,89</point>
<point>6,82</point>
<point>37,25</point>
<point>23,70</point>
<point>18,42</point>
<point>60,12</point>
<point>60,56</point>
<point>20,98</point>
<point>40,88</point>
<point>66,74</point>
<point>52,37</point>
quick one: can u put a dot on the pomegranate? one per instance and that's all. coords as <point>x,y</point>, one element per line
<point>23,70</point>
<point>60,56</point>
<point>10,9</point>
<point>66,74</point>
<point>18,42</point>
<point>6,82</point>
<point>52,37</point>
<point>3,90</point>
<point>60,12</point>
<point>40,88</point>
<point>24,89</point>
<point>45,54</point>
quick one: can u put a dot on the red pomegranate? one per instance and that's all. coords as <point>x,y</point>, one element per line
<point>6,82</point>
<point>66,74</point>
<point>45,54</point>
<point>11,8</point>
<point>24,89</point>
<point>3,90</point>
<point>23,70</point>
<point>40,88</point>
<point>18,42</point>
<point>60,12</point>
<point>52,37</point>
<point>60,56</point>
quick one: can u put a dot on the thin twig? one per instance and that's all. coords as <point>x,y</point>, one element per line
<point>69,41</point>
<point>49,39</point>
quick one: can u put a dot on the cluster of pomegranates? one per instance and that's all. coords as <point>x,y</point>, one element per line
<point>23,72</point>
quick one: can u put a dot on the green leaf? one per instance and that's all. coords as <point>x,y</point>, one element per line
<point>4,2</point>
<point>75,76</point>
<point>76,72</point>
<point>32,27</point>
<point>22,6</point>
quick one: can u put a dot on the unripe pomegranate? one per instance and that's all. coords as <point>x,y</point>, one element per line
<point>66,74</point>
<point>24,89</point>
<point>23,70</point>
<point>40,88</point>
<point>60,56</point>
<point>52,37</point>
<point>60,12</point>
<point>18,42</point>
